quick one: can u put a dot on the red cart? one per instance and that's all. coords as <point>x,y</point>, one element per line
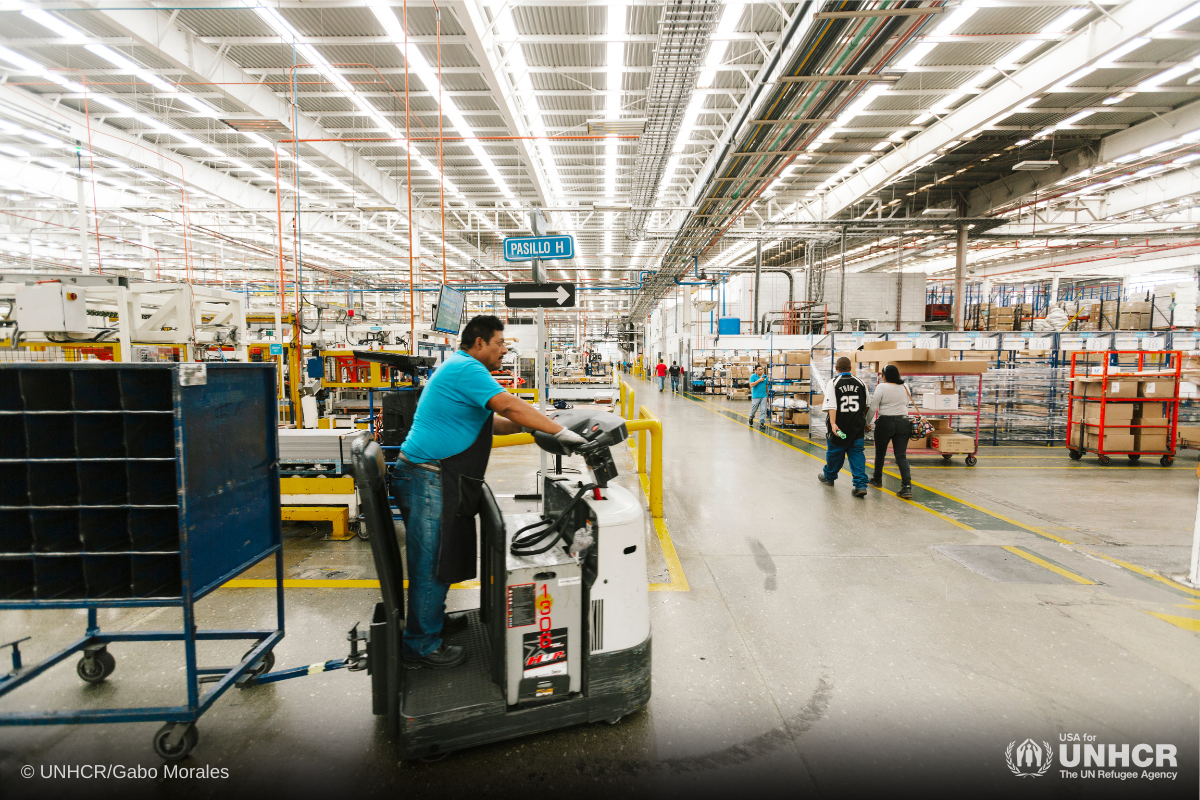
<point>1109,390</point>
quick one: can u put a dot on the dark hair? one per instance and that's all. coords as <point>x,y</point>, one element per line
<point>892,375</point>
<point>842,364</point>
<point>480,327</point>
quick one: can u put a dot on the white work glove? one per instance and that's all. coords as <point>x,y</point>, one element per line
<point>570,440</point>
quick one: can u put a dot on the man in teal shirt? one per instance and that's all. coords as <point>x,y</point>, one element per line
<point>758,396</point>
<point>451,437</point>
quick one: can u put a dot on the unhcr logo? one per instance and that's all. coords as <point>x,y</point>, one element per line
<point>1029,759</point>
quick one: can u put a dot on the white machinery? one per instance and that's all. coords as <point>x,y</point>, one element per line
<point>562,635</point>
<point>208,323</point>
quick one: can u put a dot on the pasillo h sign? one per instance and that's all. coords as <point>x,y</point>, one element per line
<point>549,248</point>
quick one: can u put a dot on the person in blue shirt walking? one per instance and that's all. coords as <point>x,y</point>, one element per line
<point>438,482</point>
<point>758,397</point>
<point>846,402</point>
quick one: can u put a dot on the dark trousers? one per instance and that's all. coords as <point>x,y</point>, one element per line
<point>894,430</point>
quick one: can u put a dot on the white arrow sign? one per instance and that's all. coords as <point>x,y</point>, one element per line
<point>562,294</point>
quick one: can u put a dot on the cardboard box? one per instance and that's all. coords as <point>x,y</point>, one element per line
<point>935,401</point>
<point>795,417</point>
<point>1151,409</point>
<point>1189,436</point>
<point>1114,413</point>
<point>1157,388</point>
<point>868,346</point>
<point>960,367</point>
<point>1094,387</point>
<point>951,443</point>
<point>907,354</point>
<point>789,372</point>
<point>1150,440</point>
<point>940,424</point>
<point>1145,423</point>
<point>1110,439</point>
<point>796,357</point>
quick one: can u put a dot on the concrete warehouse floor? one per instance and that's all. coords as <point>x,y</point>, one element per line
<point>826,645</point>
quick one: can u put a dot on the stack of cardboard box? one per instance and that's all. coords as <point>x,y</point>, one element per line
<point>1138,422</point>
<point>944,440</point>
<point>916,361</point>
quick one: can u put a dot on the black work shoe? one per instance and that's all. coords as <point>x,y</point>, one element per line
<point>446,656</point>
<point>454,624</point>
<point>876,482</point>
<point>905,493</point>
<point>821,477</point>
<point>859,493</point>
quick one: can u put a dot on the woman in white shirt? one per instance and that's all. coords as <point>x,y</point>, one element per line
<point>891,400</point>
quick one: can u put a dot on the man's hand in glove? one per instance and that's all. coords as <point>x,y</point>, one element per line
<point>570,440</point>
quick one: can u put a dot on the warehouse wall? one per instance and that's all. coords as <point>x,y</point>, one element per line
<point>868,296</point>
<point>872,296</point>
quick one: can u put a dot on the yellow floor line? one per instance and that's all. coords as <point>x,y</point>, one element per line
<point>322,583</point>
<point>1146,573</point>
<point>1041,562</point>
<point>679,581</point>
<point>1187,623</point>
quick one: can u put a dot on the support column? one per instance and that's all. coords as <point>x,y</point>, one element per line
<point>842,285</point>
<point>899,278</point>
<point>757,283</point>
<point>81,205</point>
<point>960,275</point>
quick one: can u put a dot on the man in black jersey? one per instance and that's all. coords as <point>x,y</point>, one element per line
<point>846,403</point>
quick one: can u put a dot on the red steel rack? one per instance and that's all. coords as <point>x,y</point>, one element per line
<point>1108,377</point>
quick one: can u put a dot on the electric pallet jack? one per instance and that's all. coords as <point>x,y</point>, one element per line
<point>562,634</point>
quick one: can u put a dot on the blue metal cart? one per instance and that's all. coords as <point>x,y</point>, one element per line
<point>135,485</point>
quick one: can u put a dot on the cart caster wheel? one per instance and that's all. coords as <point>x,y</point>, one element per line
<point>181,749</point>
<point>1134,458</point>
<point>946,458</point>
<point>96,666</point>
<point>614,720</point>
<point>1166,460</point>
<point>1075,454</point>
<point>263,665</point>
<point>1105,461</point>
<point>361,531</point>
<point>972,461</point>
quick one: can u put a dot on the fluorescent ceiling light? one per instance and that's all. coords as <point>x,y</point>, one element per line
<point>1182,18</point>
<point>53,23</point>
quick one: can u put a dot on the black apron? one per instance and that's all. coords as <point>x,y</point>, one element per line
<point>462,492</point>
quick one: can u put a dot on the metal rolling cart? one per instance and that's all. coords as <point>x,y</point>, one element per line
<point>1080,440</point>
<point>137,485</point>
<point>972,458</point>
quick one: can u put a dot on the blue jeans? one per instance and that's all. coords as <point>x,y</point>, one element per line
<point>758,405</point>
<point>836,454</point>
<point>418,492</point>
<point>674,383</point>
<point>662,382</point>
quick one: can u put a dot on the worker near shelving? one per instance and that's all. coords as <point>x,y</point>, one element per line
<point>846,401</point>
<point>438,482</point>
<point>758,396</point>
<point>891,400</point>
<point>674,372</point>
<point>661,372</point>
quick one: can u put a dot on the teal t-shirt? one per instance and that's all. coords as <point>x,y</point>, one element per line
<point>759,389</point>
<point>452,409</point>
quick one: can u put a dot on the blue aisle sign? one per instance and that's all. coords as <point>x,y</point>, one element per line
<point>527,248</point>
<point>276,349</point>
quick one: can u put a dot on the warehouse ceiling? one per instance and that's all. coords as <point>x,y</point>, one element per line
<point>386,145</point>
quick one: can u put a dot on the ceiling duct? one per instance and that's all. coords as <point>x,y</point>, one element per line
<point>683,32</point>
